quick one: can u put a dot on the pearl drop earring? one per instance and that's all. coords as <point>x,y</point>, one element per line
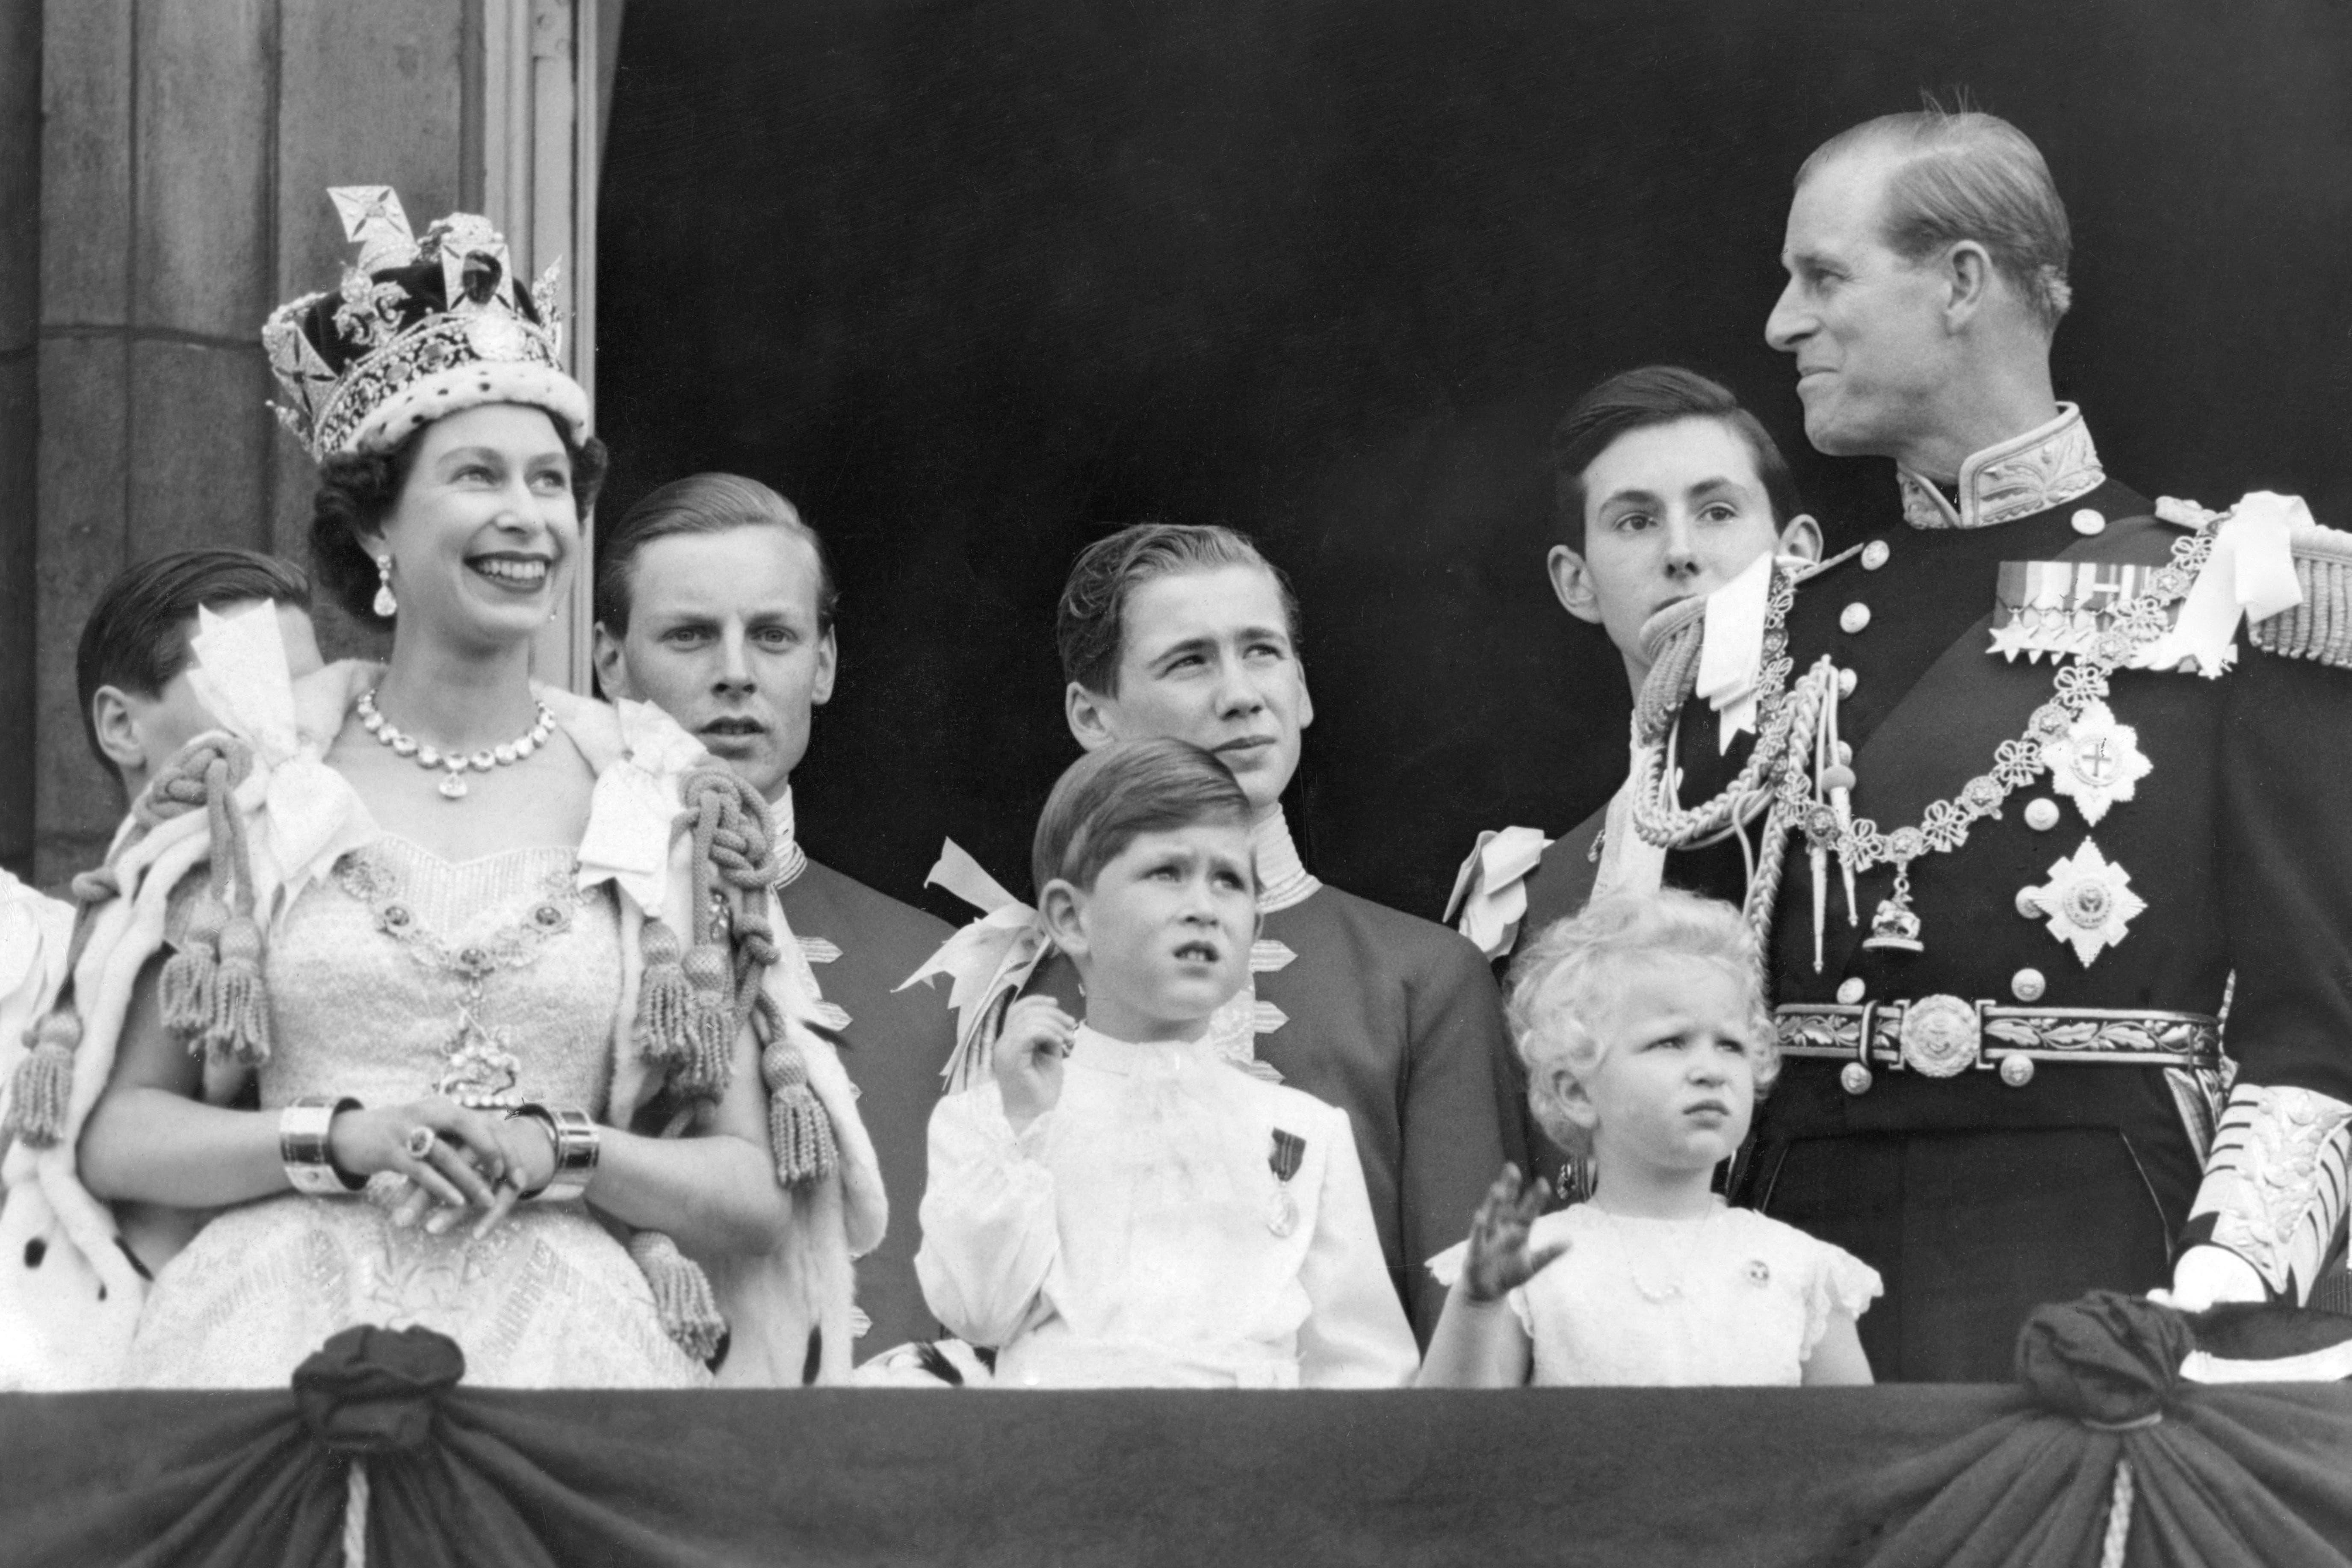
<point>385,605</point>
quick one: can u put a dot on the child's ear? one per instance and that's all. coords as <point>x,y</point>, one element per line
<point>1575,1101</point>
<point>1572,582</point>
<point>1063,907</point>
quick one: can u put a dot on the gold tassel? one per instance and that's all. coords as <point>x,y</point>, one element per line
<point>665,999</point>
<point>240,1022</point>
<point>704,1072</point>
<point>44,1081</point>
<point>798,1128</point>
<point>190,974</point>
<point>682,1295</point>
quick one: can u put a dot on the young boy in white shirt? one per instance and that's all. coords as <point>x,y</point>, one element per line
<point>1122,1203</point>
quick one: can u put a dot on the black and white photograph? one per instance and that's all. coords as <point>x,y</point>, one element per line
<point>765,764</point>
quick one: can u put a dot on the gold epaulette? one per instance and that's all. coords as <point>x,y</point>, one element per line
<point>2321,626</point>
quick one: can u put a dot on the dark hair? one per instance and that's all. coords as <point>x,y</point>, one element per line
<point>137,634</point>
<point>1638,399</point>
<point>700,503</point>
<point>1966,174</point>
<point>1107,799</point>
<point>1090,626</point>
<point>357,489</point>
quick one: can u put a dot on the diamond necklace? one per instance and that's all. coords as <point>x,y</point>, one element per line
<point>453,787</point>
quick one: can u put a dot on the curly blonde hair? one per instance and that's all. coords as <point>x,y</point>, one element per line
<point>1575,968</point>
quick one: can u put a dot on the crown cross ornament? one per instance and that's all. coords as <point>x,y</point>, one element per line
<point>420,328</point>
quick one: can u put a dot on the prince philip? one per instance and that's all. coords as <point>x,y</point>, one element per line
<point>2020,809</point>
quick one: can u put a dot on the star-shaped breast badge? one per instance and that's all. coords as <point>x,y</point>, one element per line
<point>2088,900</point>
<point>2012,639</point>
<point>2098,761</point>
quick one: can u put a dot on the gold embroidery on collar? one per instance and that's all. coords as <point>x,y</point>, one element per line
<point>2046,467</point>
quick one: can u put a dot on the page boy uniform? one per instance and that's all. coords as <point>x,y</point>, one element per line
<point>858,945</point>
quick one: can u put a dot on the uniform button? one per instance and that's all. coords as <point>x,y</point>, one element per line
<point>2042,813</point>
<point>1853,617</point>
<point>2088,522</point>
<point>1850,990</point>
<point>2027,905</point>
<point>2027,985</point>
<point>1875,555</point>
<point>1846,681</point>
<point>1854,1079</point>
<point>2017,1071</point>
<point>1845,753</point>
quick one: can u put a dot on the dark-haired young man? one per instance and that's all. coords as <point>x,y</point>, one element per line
<point>715,601</point>
<point>130,670</point>
<point>139,706</point>
<point>1188,632</point>
<point>1666,491</point>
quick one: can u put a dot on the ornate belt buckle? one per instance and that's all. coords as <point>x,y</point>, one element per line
<point>1940,1036</point>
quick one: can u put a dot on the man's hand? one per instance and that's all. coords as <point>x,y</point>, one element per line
<point>1027,1061</point>
<point>1499,1261</point>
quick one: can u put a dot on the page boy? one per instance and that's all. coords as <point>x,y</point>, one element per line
<point>1666,489</point>
<point>1118,1202</point>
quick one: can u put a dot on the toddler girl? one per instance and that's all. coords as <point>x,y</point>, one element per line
<point>1643,1025</point>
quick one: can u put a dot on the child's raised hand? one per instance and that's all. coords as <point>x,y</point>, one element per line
<point>1499,1261</point>
<point>1027,1059</point>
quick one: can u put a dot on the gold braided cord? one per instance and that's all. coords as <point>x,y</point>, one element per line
<point>1672,677</point>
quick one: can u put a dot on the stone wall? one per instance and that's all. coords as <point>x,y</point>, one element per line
<point>181,164</point>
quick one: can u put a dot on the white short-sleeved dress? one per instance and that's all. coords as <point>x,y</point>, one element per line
<point>1730,1298</point>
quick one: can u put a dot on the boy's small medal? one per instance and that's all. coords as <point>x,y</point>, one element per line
<point>1289,1148</point>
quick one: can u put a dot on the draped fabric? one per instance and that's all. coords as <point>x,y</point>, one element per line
<point>686,1479</point>
<point>2248,1474</point>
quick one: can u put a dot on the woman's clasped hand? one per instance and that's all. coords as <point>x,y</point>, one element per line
<point>450,1159</point>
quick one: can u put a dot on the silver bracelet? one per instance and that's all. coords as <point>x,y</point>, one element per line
<point>578,1144</point>
<point>302,1129</point>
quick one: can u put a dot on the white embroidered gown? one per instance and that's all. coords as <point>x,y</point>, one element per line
<point>367,979</point>
<point>1732,1299</point>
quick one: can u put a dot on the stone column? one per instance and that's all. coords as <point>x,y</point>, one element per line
<point>20,320</point>
<point>183,174</point>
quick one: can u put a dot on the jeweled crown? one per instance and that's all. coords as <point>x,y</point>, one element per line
<point>420,328</point>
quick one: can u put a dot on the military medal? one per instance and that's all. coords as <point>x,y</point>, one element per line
<point>1289,1149</point>
<point>2061,608</point>
<point>2088,900</point>
<point>2097,763</point>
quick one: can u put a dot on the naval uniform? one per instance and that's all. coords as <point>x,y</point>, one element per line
<point>1986,1157</point>
<point>1395,1020</point>
<point>861,944</point>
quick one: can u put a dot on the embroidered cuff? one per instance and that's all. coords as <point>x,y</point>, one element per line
<point>2274,1189</point>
